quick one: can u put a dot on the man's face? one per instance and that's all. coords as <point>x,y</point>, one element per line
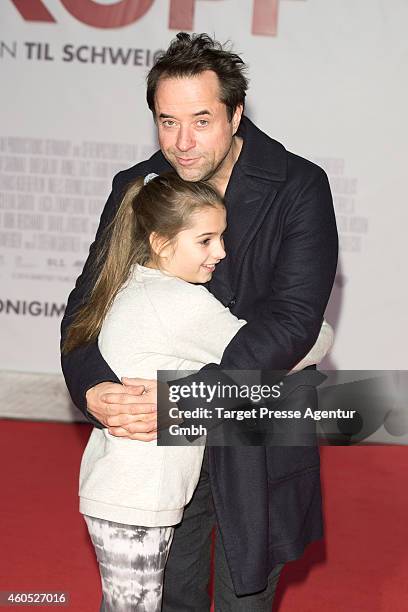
<point>194,133</point>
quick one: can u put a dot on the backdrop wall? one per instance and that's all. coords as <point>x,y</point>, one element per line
<point>327,79</point>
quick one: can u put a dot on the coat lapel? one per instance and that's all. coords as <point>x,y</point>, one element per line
<point>255,181</point>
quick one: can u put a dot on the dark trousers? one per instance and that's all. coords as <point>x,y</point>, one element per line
<point>187,572</point>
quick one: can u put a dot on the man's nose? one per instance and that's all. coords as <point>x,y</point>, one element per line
<point>185,139</point>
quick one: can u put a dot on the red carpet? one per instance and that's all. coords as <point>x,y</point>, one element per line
<point>361,567</point>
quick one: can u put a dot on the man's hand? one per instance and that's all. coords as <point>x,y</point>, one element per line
<point>128,410</point>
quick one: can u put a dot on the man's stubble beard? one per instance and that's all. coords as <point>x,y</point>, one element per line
<point>207,174</point>
<point>194,175</point>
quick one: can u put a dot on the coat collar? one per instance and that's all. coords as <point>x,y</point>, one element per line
<point>261,156</point>
<point>257,177</point>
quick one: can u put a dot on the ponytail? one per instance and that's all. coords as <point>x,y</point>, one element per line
<point>116,256</point>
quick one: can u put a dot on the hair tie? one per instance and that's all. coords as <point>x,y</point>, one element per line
<point>149,177</point>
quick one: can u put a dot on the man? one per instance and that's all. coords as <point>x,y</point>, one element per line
<point>281,246</point>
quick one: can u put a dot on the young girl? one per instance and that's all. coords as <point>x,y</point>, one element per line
<point>150,312</point>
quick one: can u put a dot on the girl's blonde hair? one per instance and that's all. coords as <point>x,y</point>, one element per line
<point>164,206</point>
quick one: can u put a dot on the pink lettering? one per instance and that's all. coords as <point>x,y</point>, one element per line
<point>116,15</point>
<point>33,11</point>
<point>125,12</point>
<point>181,14</point>
<point>265,17</point>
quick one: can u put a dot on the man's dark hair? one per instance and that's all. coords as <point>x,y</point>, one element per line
<point>189,55</point>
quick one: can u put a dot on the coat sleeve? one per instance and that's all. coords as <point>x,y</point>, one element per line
<point>84,366</point>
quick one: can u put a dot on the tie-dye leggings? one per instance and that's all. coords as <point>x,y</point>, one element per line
<point>131,563</point>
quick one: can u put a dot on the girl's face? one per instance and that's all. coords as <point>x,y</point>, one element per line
<point>197,250</point>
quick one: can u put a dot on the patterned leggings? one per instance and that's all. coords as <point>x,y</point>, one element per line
<point>131,563</point>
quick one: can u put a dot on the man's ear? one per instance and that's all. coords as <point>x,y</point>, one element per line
<point>236,118</point>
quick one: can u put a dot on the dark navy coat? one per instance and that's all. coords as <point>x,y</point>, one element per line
<point>281,245</point>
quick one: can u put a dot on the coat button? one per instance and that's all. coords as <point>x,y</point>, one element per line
<point>232,302</point>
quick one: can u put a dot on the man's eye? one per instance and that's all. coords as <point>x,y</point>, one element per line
<point>202,122</point>
<point>169,123</point>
